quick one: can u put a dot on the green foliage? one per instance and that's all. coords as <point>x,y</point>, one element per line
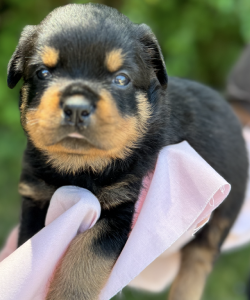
<point>199,40</point>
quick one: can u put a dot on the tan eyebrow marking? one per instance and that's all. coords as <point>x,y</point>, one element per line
<point>114,60</point>
<point>50,56</point>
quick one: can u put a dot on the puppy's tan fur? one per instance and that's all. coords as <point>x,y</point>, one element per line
<point>81,272</point>
<point>38,191</point>
<point>50,56</point>
<point>114,60</point>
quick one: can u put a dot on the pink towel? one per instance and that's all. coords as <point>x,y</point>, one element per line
<point>161,272</point>
<point>178,199</point>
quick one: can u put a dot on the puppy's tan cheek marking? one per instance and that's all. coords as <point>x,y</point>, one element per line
<point>114,131</point>
<point>114,60</point>
<point>47,116</point>
<point>24,93</point>
<point>144,110</point>
<point>50,56</point>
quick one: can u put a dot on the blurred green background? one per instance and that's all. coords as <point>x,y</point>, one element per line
<point>199,39</point>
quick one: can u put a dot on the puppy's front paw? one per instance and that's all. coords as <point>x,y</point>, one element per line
<point>82,272</point>
<point>58,292</point>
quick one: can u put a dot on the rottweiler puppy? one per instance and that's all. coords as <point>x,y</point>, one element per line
<point>97,107</point>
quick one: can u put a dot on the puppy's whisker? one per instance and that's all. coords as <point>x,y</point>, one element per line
<point>32,120</point>
<point>33,123</point>
<point>52,127</point>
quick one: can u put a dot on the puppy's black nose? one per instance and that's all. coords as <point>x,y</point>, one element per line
<point>77,110</point>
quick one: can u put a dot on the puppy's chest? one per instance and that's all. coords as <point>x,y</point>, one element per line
<point>109,191</point>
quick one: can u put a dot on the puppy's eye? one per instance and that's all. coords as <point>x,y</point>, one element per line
<point>121,80</point>
<point>43,74</point>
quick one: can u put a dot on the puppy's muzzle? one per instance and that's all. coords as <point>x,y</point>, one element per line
<point>77,111</point>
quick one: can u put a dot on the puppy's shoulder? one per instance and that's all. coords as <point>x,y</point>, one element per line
<point>186,89</point>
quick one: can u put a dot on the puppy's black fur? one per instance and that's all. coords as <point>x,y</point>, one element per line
<point>78,51</point>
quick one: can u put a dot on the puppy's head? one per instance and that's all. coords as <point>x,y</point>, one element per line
<point>91,80</point>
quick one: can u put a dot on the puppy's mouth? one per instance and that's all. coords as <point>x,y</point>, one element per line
<point>76,135</point>
<point>75,143</point>
<point>73,140</point>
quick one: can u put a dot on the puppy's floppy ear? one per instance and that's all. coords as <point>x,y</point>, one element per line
<point>16,63</point>
<point>152,48</point>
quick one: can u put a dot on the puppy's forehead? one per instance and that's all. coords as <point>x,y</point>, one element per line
<point>84,34</point>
